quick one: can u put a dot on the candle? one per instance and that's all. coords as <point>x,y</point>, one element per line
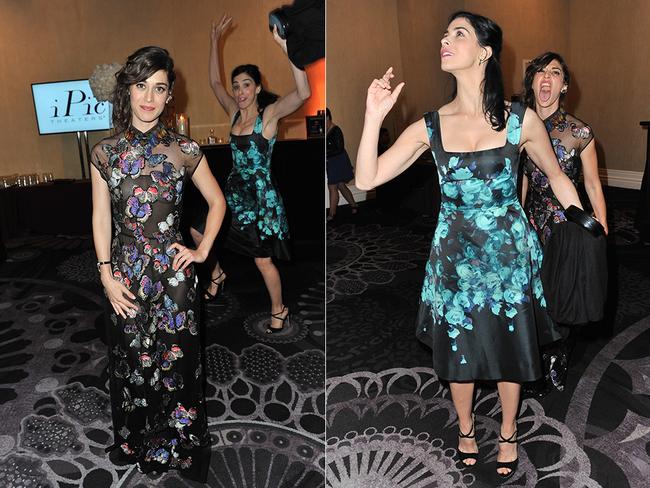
<point>182,124</point>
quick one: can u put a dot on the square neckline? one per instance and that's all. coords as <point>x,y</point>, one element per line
<point>498,148</point>
<point>259,115</point>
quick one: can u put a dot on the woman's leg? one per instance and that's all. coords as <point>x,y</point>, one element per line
<point>334,200</point>
<point>347,194</point>
<point>217,271</point>
<point>273,284</point>
<point>509,394</point>
<point>462,394</point>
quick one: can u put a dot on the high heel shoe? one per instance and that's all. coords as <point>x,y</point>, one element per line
<point>466,456</point>
<point>274,330</point>
<point>221,283</point>
<point>511,465</point>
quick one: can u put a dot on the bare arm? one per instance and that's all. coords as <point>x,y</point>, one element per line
<point>227,102</point>
<point>205,182</point>
<point>371,171</point>
<point>592,183</point>
<point>116,292</point>
<point>524,189</point>
<point>288,103</point>
<point>536,142</point>
<point>211,191</point>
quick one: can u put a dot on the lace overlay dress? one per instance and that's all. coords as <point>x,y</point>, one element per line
<point>569,136</point>
<point>155,357</point>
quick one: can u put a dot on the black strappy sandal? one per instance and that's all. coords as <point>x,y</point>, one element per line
<point>511,465</point>
<point>211,297</point>
<point>273,330</point>
<point>463,456</point>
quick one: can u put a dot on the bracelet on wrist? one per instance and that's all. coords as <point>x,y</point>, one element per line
<point>101,263</point>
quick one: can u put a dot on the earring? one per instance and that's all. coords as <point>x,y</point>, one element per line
<point>481,61</point>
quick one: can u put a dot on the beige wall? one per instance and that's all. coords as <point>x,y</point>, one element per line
<point>363,38</point>
<point>45,40</point>
<point>584,32</point>
<point>610,62</point>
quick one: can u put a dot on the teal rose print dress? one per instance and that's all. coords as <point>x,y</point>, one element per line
<point>155,367</point>
<point>259,225</point>
<point>482,305</point>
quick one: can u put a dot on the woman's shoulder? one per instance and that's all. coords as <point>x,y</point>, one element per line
<point>572,119</point>
<point>186,144</point>
<point>103,145</point>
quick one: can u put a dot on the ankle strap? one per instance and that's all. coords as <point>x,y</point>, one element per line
<point>509,440</point>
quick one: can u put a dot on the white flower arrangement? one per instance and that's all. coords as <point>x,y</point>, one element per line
<point>102,81</point>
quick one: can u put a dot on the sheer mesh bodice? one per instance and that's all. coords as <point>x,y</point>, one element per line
<point>569,136</point>
<point>155,370</point>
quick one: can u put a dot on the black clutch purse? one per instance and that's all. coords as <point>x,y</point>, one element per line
<point>574,269</point>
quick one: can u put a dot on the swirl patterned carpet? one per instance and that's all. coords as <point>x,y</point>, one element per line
<point>390,421</point>
<point>265,395</point>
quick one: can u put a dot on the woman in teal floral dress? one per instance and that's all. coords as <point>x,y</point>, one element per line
<point>482,307</point>
<point>155,366</point>
<point>259,225</point>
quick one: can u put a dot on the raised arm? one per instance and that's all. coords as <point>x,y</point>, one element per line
<point>592,183</point>
<point>227,102</point>
<point>538,146</point>
<point>371,171</point>
<point>292,101</point>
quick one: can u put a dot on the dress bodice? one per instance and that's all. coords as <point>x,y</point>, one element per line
<point>146,174</point>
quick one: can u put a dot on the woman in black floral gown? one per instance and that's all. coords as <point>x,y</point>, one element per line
<point>259,227</point>
<point>155,366</point>
<point>545,86</point>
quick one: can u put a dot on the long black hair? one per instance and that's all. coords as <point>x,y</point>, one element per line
<point>537,65</point>
<point>488,33</point>
<point>264,97</point>
<point>139,66</point>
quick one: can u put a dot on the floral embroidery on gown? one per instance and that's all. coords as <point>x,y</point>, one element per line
<point>155,366</point>
<point>569,136</point>
<point>259,225</point>
<point>482,304</point>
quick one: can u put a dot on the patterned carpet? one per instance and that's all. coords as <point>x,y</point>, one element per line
<point>265,395</point>
<point>391,422</point>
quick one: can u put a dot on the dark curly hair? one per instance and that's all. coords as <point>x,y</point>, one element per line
<point>537,65</point>
<point>488,33</point>
<point>264,97</point>
<point>139,66</point>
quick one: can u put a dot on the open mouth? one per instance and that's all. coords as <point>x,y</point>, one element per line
<point>544,92</point>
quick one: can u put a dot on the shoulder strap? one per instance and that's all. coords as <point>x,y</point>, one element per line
<point>432,119</point>
<point>259,124</point>
<point>234,119</point>
<point>515,122</point>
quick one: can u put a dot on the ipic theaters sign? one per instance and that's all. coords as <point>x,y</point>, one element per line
<point>69,106</point>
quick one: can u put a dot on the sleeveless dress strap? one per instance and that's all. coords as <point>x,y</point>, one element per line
<point>433,130</point>
<point>259,125</point>
<point>234,119</point>
<point>514,124</point>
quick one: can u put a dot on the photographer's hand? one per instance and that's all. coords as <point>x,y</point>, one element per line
<point>281,42</point>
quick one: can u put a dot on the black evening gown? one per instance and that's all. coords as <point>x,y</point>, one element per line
<point>155,357</point>
<point>482,306</point>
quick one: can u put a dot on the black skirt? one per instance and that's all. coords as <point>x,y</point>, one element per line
<point>574,274</point>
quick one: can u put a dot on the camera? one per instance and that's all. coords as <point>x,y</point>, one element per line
<point>302,25</point>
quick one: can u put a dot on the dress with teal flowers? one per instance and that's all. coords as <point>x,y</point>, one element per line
<point>259,225</point>
<point>482,305</point>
